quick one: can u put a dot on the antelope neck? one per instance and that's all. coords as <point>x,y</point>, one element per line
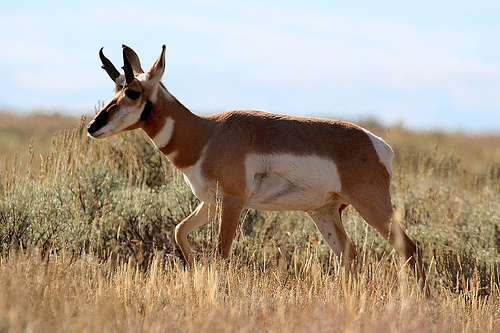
<point>175,130</point>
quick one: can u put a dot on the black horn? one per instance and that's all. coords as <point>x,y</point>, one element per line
<point>133,58</point>
<point>108,66</point>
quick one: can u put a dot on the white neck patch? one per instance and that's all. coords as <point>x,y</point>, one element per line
<point>165,134</point>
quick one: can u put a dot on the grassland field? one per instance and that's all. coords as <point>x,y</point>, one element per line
<point>86,243</point>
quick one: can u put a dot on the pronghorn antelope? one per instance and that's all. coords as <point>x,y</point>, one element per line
<point>254,159</point>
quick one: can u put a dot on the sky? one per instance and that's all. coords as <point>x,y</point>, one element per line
<point>425,64</point>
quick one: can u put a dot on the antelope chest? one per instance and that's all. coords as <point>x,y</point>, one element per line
<point>203,188</point>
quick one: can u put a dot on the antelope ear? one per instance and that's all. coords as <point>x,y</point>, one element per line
<point>127,67</point>
<point>108,66</point>
<point>156,71</point>
<point>133,58</point>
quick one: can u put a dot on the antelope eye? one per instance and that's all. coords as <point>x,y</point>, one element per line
<point>132,94</point>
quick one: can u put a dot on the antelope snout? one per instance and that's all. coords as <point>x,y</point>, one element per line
<point>96,125</point>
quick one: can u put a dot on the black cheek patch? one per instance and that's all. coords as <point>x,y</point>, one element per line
<point>147,110</point>
<point>99,122</point>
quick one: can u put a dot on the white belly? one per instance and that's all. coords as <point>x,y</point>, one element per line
<point>276,182</point>
<point>290,182</point>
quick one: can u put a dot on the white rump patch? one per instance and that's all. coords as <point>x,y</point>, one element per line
<point>290,182</point>
<point>384,151</point>
<point>162,138</point>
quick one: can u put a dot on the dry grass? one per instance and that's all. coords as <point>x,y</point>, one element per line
<point>86,246</point>
<point>64,294</point>
<point>18,131</point>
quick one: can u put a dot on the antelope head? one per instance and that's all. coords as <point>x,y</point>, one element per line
<point>134,93</point>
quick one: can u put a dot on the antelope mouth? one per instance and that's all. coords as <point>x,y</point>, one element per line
<point>97,135</point>
<point>98,132</point>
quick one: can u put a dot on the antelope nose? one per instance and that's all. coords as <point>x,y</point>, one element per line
<point>91,127</point>
<point>97,123</point>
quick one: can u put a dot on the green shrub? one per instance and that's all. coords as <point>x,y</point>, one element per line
<point>120,198</point>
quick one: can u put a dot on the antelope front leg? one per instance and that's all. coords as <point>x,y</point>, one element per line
<point>230,216</point>
<point>199,217</point>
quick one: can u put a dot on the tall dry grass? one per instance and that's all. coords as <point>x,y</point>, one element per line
<point>64,294</point>
<point>86,245</point>
<point>17,131</point>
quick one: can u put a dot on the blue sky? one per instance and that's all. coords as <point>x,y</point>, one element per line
<point>427,64</point>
